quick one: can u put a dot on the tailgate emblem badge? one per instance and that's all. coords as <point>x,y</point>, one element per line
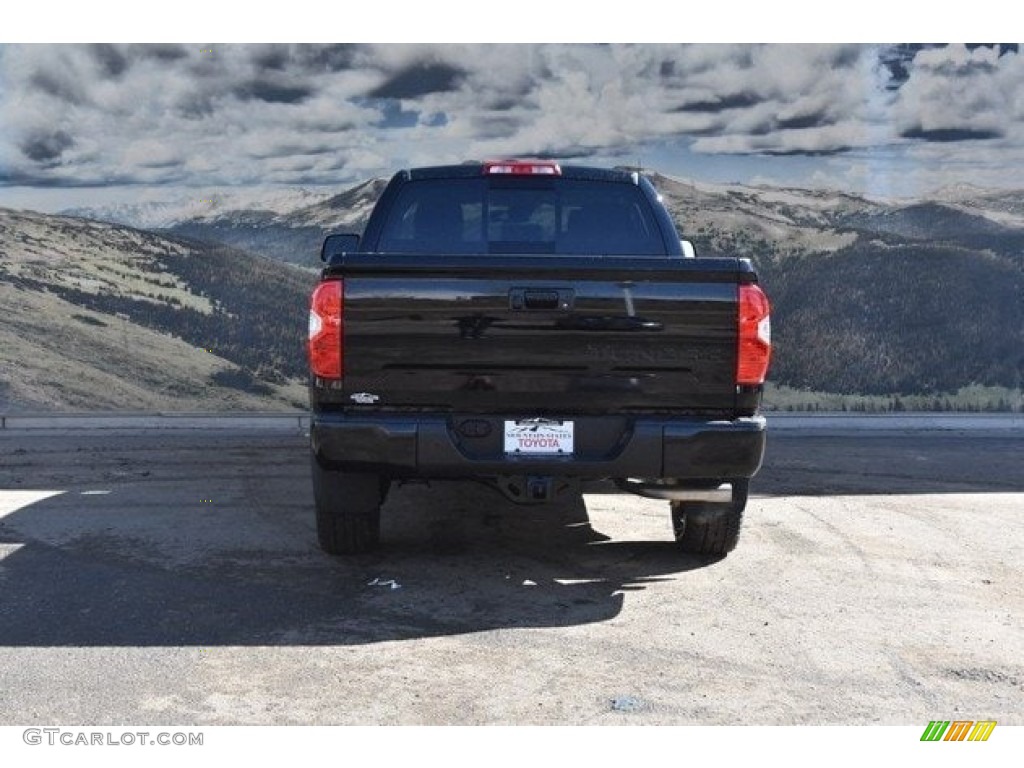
<point>364,398</point>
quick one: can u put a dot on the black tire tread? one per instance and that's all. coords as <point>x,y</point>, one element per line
<point>347,510</point>
<point>709,529</point>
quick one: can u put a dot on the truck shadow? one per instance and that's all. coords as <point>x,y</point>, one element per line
<point>143,569</point>
<point>196,540</point>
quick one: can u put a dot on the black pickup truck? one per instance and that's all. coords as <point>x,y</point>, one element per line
<point>530,326</point>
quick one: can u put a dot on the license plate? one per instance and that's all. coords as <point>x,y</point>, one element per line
<point>539,436</point>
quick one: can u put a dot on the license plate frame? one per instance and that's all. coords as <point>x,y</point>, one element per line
<point>539,437</point>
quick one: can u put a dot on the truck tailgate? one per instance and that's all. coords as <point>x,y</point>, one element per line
<point>546,334</point>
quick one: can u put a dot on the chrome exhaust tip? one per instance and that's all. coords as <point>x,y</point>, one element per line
<point>721,494</point>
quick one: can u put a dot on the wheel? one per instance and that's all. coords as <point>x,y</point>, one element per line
<point>347,509</point>
<point>703,528</point>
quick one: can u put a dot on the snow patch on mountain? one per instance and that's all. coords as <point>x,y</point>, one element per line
<point>246,204</point>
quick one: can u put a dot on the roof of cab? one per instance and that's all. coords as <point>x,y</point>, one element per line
<point>476,169</point>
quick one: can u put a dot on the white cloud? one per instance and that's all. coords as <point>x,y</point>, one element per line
<point>250,114</point>
<point>955,94</point>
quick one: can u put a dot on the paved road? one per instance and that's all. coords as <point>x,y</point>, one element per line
<point>171,576</point>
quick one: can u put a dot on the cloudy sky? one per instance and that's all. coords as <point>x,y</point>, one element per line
<point>84,124</point>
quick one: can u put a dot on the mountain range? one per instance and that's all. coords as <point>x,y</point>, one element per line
<point>875,297</point>
<point>285,225</point>
<point>100,316</point>
<point>870,296</point>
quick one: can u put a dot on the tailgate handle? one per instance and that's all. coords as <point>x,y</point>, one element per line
<point>541,298</point>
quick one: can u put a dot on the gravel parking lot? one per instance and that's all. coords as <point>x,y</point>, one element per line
<point>172,576</point>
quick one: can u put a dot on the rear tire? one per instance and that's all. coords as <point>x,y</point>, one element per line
<point>347,509</point>
<point>702,528</point>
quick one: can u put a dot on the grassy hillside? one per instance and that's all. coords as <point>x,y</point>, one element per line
<point>874,298</point>
<point>98,316</point>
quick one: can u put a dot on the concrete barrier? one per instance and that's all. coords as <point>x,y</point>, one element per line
<point>288,421</point>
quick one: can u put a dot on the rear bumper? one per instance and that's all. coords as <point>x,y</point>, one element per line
<point>429,446</point>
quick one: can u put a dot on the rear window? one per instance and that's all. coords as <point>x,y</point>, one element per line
<point>543,215</point>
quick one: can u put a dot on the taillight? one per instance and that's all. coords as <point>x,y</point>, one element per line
<point>755,340</point>
<point>326,330</point>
